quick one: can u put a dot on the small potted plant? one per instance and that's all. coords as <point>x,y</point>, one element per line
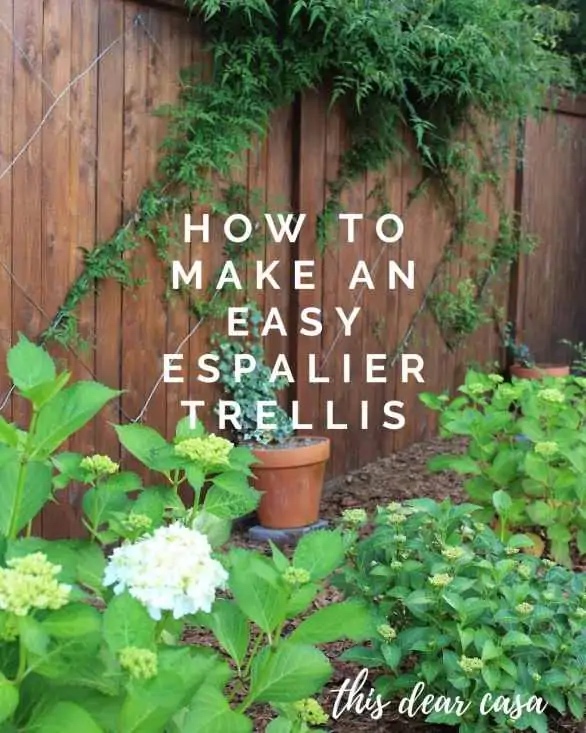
<point>523,363</point>
<point>290,470</point>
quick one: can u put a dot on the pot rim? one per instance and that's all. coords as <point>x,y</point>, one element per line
<point>318,451</point>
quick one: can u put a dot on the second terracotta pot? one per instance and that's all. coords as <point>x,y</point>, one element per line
<point>539,371</point>
<point>291,479</point>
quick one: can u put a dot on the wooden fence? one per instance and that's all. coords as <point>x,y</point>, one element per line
<point>550,288</point>
<point>79,81</point>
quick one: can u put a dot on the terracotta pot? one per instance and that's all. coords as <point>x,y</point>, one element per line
<point>539,371</point>
<point>291,479</point>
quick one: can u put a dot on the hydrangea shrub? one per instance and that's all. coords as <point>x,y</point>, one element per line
<point>93,631</point>
<point>525,457</point>
<point>466,614</point>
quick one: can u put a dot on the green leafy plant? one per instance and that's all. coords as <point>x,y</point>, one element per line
<point>525,456</point>
<point>210,470</point>
<point>466,615</point>
<point>252,387</point>
<point>92,638</point>
<point>458,312</point>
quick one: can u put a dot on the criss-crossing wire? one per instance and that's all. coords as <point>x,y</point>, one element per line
<point>138,21</point>
<point>57,98</point>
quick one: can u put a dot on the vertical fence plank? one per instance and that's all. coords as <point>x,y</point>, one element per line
<point>26,182</point>
<point>6,122</point>
<point>109,204</point>
<point>181,47</point>
<point>57,207</point>
<point>142,311</point>
<point>311,198</point>
<point>82,198</point>
<point>331,285</point>
<point>554,279</point>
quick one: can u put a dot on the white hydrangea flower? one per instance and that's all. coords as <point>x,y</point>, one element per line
<point>170,570</point>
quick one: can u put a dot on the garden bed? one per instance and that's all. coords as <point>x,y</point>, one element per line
<point>398,477</point>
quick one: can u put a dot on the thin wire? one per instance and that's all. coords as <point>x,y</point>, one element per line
<point>115,188</point>
<point>178,350</point>
<point>7,397</point>
<point>55,102</point>
<point>56,99</point>
<point>357,300</point>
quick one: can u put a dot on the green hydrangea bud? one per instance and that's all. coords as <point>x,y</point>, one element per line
<point>536,677</point>
<point>551,395</point>
<point>440,580</point>
<point>139,663</point>
<point>29,582</point>
<point>210,450</point>
<point>99,465</point>
<point>470,665</point>
<point>511,550</point>
<point>453,553</point>
<point>387,632</point>
<point>396,518</point>
<point>400,538</point>
<point>396,565</point>
<point>476,389</point>
<point>508,391</point>
<point>296,576</point>
<point>546,448</point>
<point>524,609</point>
<point>524,570</point>
<point>354,517</point>
<point>311,712</point>
<point>580,613</point>
<point>137,522</point>
<point>496,378</point>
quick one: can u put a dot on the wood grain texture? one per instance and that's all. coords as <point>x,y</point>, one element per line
<point>6,188</point>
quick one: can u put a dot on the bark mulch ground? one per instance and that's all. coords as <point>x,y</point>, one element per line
<point>395,478</point>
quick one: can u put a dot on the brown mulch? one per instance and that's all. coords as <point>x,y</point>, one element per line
<point>395,478</point>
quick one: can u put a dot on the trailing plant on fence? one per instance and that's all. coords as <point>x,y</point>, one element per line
<point>525,459</point>
<point>466,616</point>
<point>92,639</point>
<point>428,67</point>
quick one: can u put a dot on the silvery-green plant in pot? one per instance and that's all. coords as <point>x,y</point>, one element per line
<point>523,364</point>
<point>290,470</point>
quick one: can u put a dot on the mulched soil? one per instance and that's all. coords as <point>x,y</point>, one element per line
<point>395,478</point>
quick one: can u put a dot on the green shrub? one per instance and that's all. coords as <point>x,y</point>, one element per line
<point>91,639</point>
<point>467,615</point>
<point>525,456</point>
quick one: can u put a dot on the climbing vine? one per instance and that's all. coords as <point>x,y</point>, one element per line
<point>408,76</point>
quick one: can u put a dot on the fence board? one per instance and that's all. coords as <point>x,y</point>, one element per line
<point>109,207</point>
<point>554,191</point>
<point>80,178</point>
<point>6,187</point>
